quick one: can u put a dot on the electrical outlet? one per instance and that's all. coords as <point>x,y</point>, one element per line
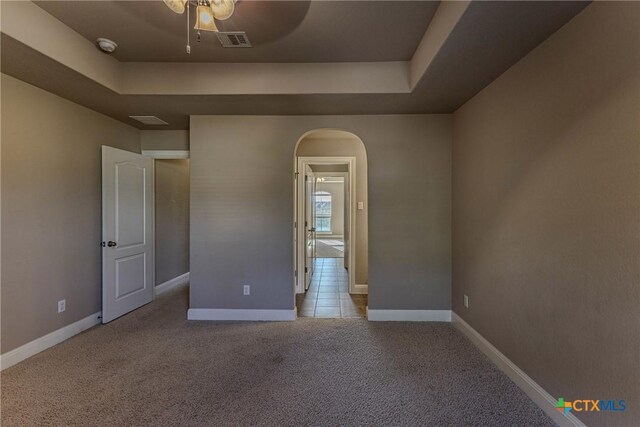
<point>466,301</point>
<point>62,305</point>
<point>247,289</point>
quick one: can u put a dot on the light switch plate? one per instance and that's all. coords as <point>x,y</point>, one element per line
<point>360,206</point>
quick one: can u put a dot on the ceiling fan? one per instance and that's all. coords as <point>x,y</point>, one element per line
<point>207,12</point>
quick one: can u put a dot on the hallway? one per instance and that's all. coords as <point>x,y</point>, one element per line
<point>328,295</point>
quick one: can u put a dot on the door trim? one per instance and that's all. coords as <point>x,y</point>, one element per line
<point>167,154</point>
<point>298,232</point>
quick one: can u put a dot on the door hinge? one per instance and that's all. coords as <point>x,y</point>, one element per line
<point>306,270</point>
<point>295,224</point>
<point>295,273</point>
<point>306,178</point>
<point>295,175</point>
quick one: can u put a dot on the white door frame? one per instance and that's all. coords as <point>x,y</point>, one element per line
<point>162,155</point>
<point>299,237</point>
<point>167,154</point>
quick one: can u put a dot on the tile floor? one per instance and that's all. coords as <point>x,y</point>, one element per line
<point>328,295</point>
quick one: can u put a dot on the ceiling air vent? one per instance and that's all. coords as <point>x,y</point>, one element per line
<point>149,120</point>
<point>233,39</point>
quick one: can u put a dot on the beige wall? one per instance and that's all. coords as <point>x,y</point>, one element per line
<point>352,147</point>
<point>336,189</point>
<point>172,219</point>
<point>242,208</point>
<point>546,211</point>
<point>164,140</point>
<point>51,209</point>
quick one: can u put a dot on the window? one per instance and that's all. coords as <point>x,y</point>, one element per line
<point>323,211</point>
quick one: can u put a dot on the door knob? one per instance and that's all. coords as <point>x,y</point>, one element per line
<point>111,243</point>
<point>312,229</point>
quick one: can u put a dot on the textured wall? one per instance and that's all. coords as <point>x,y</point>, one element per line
<point>51,209</point>
<point>242,208</point>
<point>546,211</point>
<point>172,219</point>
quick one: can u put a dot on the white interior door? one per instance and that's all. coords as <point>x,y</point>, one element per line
<point>309,226</point>
<point>127,232</point>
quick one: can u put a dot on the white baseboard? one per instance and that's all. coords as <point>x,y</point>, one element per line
<point>240,314</point>
<point>360,289</point>
<point>173,283</point>
<point>539,395</point>
<point>56,337</point>
<point>409,315</point>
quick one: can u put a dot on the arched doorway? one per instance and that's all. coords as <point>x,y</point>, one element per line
<point>330,224</point>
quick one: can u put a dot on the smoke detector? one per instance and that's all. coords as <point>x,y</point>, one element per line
<point>106,45</point>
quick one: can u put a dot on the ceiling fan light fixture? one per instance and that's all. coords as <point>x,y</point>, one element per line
<point>177,6</point>
<point>222,9</point>
<point>204,19</point>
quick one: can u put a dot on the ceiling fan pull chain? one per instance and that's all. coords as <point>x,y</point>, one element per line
<point>188,31</point>
<point>197,17</point>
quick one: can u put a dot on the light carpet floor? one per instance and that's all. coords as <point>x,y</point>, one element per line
<point>153,367</point>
